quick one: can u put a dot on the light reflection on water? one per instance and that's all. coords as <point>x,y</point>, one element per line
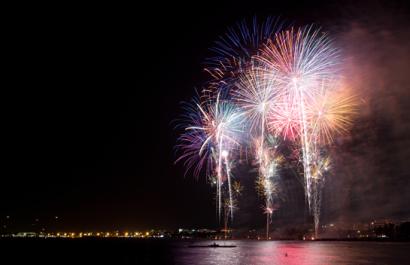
<point>294,253</point>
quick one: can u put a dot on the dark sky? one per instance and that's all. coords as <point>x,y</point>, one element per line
<point>90,93</point>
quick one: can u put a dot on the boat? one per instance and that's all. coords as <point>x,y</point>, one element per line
<point>214,245</point>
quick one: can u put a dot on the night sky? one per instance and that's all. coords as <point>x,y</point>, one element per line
<point>91,93</point>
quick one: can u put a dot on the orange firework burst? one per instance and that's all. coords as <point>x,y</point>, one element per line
<point>331,113</point>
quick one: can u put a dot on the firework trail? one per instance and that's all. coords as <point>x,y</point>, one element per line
<point>267,182</point>
<point>320,166</point>
<point>230,203</point>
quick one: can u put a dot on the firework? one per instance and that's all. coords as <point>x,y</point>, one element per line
<point>255,93</point>
<point>233,52</point>
<point>283,119</point>
<point>302,61</point>
<point>194,146</point>
<point>211,134</point>
<point>331,113</point>
<point>304,57</point>
<point>267,85</point>
<point>267,181</point>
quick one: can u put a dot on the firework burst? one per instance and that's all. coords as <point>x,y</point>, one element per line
<point>194,145</point>
<point>233,52</point>
<point>211,133</point>
<point>255,93</point>
<point>331,113</point>
<point>267,85</point>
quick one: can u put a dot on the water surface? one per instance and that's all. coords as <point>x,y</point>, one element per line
<point>162,251</point>
<point>295,253</point>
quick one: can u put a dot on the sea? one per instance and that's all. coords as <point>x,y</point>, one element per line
<point>165,251</point>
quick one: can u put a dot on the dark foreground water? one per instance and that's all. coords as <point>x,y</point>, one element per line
<point>131,251</point>
<point>298,253</point>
